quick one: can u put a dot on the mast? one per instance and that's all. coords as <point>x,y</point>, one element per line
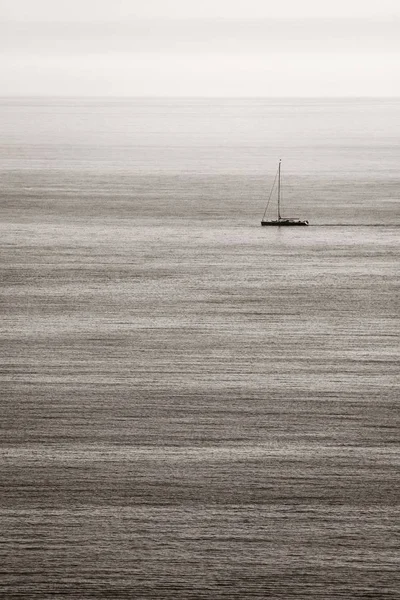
<point>279,190</point>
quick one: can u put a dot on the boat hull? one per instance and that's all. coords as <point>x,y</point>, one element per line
<point>285,223</point>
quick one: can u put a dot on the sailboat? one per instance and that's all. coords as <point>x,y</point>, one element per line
<point>280,221</point>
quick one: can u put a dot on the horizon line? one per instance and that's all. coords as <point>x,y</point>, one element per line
<point>201,96</point>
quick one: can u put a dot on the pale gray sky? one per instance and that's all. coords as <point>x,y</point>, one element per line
<point>207,48</point>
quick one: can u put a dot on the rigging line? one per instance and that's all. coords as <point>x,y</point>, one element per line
<point>270,194</point>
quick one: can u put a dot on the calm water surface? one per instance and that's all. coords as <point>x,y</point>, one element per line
<point>191,406</point>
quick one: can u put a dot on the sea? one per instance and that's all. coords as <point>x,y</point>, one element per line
<point>194,406</point>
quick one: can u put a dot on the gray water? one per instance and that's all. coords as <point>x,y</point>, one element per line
<point>193,406</point>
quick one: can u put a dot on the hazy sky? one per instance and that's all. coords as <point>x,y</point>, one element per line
<point>202,48</point>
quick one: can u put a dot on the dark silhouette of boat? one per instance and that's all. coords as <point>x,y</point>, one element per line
<point>280,221</point>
